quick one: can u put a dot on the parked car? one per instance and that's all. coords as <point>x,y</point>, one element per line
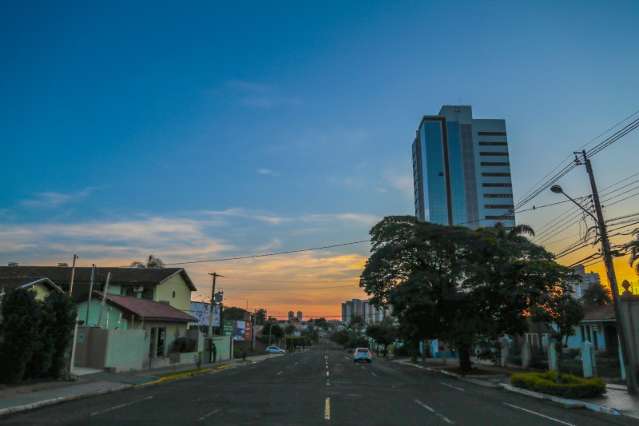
<point>362,355</point>
<point>274,350</point>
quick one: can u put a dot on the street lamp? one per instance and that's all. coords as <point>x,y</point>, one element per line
<point>628,359</point>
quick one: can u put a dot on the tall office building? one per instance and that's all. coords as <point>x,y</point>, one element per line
<point>461,170</point>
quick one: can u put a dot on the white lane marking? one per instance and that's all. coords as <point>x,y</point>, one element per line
<point>373,373</point>
<point>538,414</point>
<point>117,407</point>
<point>345,357</point>
<point>279,372</point>
<point>210,413</point>
<point>453,386</point>
<point>327,408</point>
<point>327,373</point>
<point>432,410</point>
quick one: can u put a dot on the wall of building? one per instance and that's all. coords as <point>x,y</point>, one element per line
<point>126,350</point>
<point>224,347</point>
<point>175,291</point>
<point>112,317</point>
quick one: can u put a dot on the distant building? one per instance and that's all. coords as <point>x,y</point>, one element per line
<point>291,315</point>
<point>369,313</point>
<point>586,280</point>
<point>461,170</point>
<point>300,317</point>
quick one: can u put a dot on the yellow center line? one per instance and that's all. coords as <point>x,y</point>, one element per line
<point>327,408</point>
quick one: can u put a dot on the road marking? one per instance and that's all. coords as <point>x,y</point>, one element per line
<point>279,372</point>
<point>117,407</point>
<point>327,373</point>
<point>210,413</point>
<point>345,357</point>
<point>453,387</point>
<point>327,408</point>
<point>373,373</point>
<point>432,410</point>
<point>539,414</point>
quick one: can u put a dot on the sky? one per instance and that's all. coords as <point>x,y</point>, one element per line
<point>198,130</point>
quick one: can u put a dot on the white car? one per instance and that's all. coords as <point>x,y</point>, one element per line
<point>274,350</point>
<point>362,355</point>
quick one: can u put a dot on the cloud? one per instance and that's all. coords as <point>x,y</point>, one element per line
<point>267,172</point>
<point>401,182</point>
<point>259,95</point>
<point>56,199</point>
<point>359,218</point>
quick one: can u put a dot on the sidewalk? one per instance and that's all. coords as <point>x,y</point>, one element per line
<point>31,396</point>
<point>616,400</point>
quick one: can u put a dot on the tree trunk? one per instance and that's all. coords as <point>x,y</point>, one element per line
<point>464,359</point>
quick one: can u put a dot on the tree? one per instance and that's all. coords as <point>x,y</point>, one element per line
<point>154,262</point>
<point>44,348</point>
<point>19,329</point>
<point>357,323</point>
<point>384,333</point>
<point>457,284</point>
<point>63,311</point>
<point>562,312</point>
<point>260,316</point>
<point>289,329</point>
<point>596,295</point>
<point>273,329</point>
<point>233,313</point>
<point>633,249</point>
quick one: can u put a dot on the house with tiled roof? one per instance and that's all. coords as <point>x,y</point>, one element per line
<point>170,285</point>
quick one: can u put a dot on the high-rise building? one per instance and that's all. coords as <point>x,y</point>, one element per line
<point>584,281</point>
<point>300,316</point>
<point>370,314</point>
<point>461,170</point>
<point>291,315</point>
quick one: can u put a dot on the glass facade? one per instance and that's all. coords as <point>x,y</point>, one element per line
<point>456,167</point>
<point>435,199</point>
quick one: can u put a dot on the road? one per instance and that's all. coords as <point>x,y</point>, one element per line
<point>318,387</point>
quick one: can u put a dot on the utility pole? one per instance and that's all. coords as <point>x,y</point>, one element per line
<point>86,322</point>
<point>631,376</point>
<point>75,257</point>
<point>212,305</point>
<point>104,297</point>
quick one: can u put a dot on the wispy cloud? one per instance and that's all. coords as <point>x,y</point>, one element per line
<point>401,182</point>
<point>53,199</point>
<point>259,95</point>
<point>267,172</point>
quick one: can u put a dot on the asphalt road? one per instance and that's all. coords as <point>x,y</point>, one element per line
<point>318,387</point>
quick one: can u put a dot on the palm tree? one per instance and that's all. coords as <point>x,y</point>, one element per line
<point>633,249</point>
<point>513,232</point>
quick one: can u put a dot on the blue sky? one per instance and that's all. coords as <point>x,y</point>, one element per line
<point>199,129</point>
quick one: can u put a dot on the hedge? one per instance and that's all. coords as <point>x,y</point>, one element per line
<point>568,385</point>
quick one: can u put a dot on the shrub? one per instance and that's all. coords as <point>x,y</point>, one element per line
<point>568,385</point>
<point>63,313</point>
<point>20,316</point>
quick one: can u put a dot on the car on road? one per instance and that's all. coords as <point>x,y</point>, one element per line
<point>362,355</point>
<point>274,350</point>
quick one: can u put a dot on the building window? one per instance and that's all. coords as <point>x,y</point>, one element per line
<point>491,133</point>
<point>499,206</point>
<point>496,185</point>
<point>493,154</point>
<point>495,163</point>
<point>498,195</point>
<point>496,174</point>
<point>493,143</point>
<point>502,217</point>
<point>174,294</point>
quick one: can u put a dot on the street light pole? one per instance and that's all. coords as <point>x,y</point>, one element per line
<point>631,376</point>
<point>212,305</point>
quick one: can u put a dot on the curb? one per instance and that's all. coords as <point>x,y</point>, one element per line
<point>564,402</point>
<point>59,400</point>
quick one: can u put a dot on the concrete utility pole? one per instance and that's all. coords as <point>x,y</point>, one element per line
<point>631,376</point>
<point>86,322</point>
<point>212,305</point>
<point>104,297</point>
<point>75,257</point>
<point>581,158</point>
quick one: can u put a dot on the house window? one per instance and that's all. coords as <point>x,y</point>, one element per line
<point>174,294</point>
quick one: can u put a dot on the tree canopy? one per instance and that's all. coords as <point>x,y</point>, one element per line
<point>458,284</point>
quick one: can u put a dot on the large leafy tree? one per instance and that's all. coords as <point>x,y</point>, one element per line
<point>62,310</point>
<point>596,295</point>
<point>383,333</point>
<point>457,284</point>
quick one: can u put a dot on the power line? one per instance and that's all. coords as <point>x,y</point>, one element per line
<point>276,253</point>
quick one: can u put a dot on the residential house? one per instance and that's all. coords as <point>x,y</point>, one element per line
<point>42,286</point>
<point>598,327</point>
<point>169,285</point>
